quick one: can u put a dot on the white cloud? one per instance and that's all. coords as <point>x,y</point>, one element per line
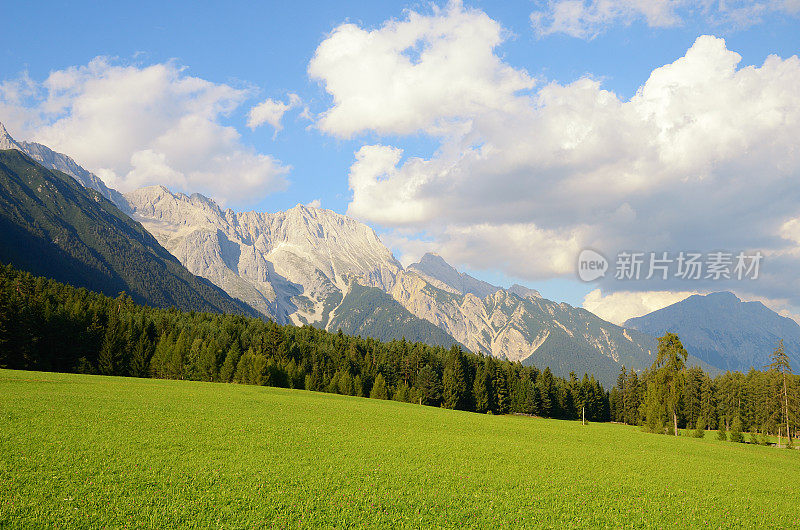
<point>586,19</point>
<point>271,111</point>
<point>414,74</point>
<point>620,306</point>
<point>316,203</point>
<point>702,157</point>
<point>136,126</point>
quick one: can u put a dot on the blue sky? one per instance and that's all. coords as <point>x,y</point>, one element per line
<point>264,51</point>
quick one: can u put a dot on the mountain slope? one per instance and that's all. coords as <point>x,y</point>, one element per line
<point>723,331</point>
<point>60,162</point>
<point>313,266</point>
<point>368,311</point>
<point>52,226</point>
<point>532,330</point>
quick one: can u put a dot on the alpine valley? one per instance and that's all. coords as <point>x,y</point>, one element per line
<point>317,267</point>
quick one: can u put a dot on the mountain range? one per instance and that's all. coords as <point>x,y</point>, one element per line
<point>314,266</point>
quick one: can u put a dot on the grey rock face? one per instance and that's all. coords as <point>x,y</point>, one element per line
<point>291,265</point>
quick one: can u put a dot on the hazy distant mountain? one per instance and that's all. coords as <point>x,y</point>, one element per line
<point>60,162</point>
<point>723,331</point>
<point>52,226</point>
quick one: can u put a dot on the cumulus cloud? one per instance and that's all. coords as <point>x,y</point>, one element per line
<point>316,203</point>
<point>586,19</point>
<point>271,111</point>
<point>136,126</point>
<point>620,306</point>
<point>703,157</point>
<point>420,73</point>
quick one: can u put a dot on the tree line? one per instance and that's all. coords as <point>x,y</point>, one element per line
<point>670,396</point>
<point>46,325</point>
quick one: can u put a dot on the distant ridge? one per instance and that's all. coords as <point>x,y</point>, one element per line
<point>724,331</point>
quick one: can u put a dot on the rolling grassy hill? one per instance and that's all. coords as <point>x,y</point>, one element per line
<point>92,451</point>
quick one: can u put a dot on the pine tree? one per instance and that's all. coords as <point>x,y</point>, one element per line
<point>780,363</point>
<point>721,434</point>
<point>708,405</point>
<point>618,401</point>
<point>700,428</point>
<point>345,384</point>
<point>379,390</point>
<point>632,398</point>
<point>482,391</point>
<point>454,380</point>
<point>501,391</point>
<point>545,384</point>
<point>671,362</point>
<point>429,387</point>
<point>736,430</point>
<point>159,364</point>
<point>109,360</point>
<point>231,362</point>
<point>140,357</point>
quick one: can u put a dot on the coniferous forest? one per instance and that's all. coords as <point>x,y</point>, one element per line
<point>46,325</point>
<point>670,396</point>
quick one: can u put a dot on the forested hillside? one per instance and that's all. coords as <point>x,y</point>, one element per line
<point>46,325</point>
<point>53,226</point>
<point>368,311</point>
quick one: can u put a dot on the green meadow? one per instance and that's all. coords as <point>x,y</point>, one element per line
<point>92,451</point>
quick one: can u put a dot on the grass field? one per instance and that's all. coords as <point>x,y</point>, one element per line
<point>90,451</point>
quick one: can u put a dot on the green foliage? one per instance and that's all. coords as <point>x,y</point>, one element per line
<point>50,326</point>
<point>736,431</point>
<point>669,397</point>
<point>379,390</point>
<point>722,435</point>
<point>700,428</point>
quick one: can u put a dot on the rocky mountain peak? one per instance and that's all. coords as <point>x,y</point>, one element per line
<point>6,141</point>
<point>524,292</point>
<point>435,268</point>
